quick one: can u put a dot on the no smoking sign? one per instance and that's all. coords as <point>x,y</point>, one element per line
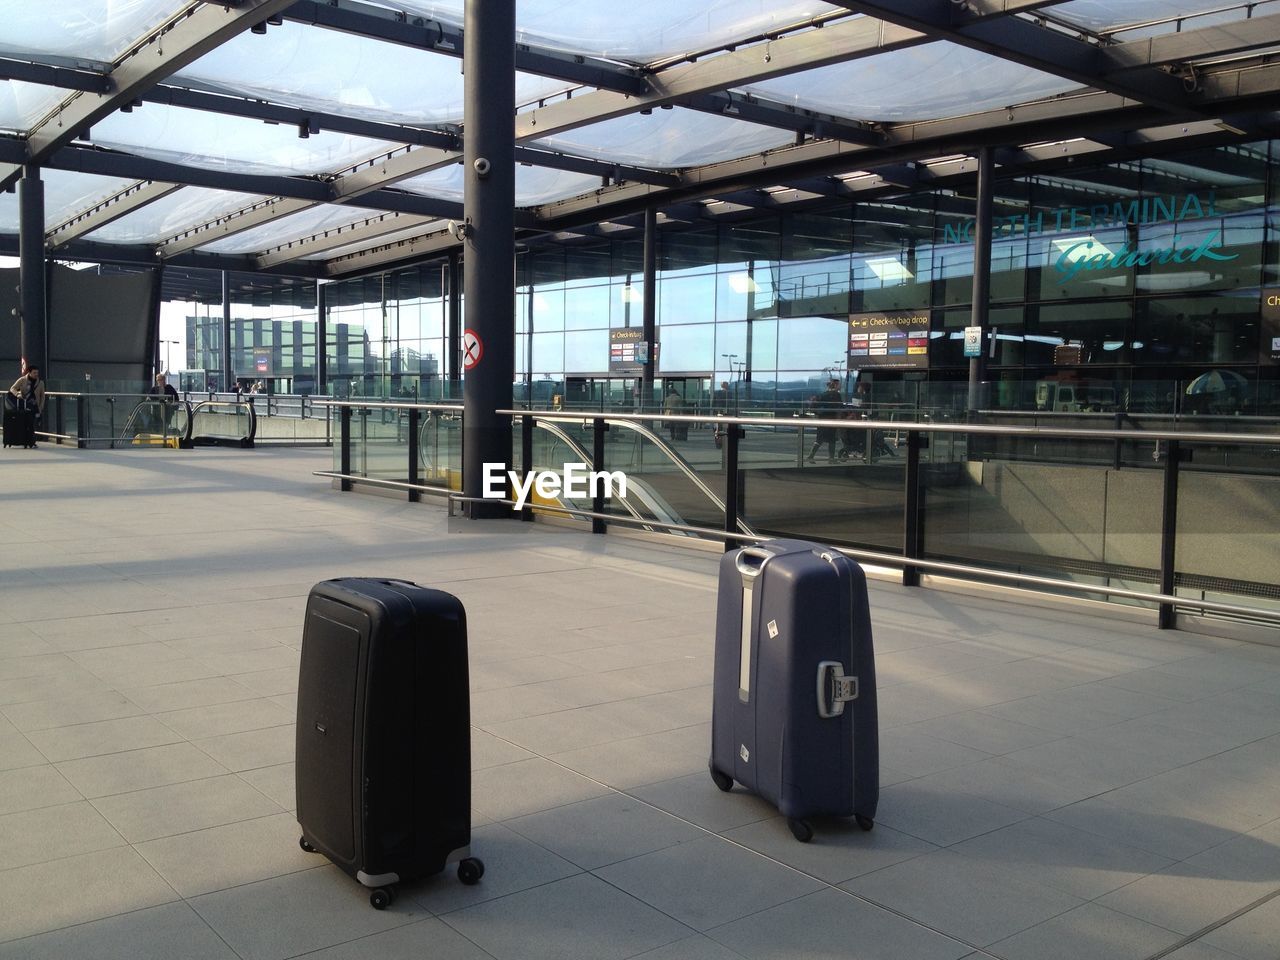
<point>472,349</point>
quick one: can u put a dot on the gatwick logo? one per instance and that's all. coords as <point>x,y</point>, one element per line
<point>576,481</point>
<point>1093,255</point>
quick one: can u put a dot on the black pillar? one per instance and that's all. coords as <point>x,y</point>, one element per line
<point>31,270</point>
<point>322,338</point>
<point>981,275</point>
<point>155,361</point>
<point>650,299</point>
<point>453,322</point>
<point>226,331</point>
<point>489,248</point>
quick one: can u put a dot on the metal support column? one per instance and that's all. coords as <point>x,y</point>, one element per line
<point>31,271</point>
<point>1169,534</point>
<point>489,251</point>
<point>322,338</point>
<point>226,331</point>
<point>981,275</point>
<point>415,475</point>
<point>650,313</point>
<point>732,485</point>
<point>344,450</point>
<point>526,454</point>
<point>911,511</point>
<point>153,326</point>
<point>598,428</point>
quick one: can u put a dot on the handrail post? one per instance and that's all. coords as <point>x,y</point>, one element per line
<point>1168,535</point>
<point>1119,425</point>
<point>82,422</point>
<point>732,485</point>
<point>598,427</point>
<point>526,457</point>
<point>911,511</point>
<point>344,454</point>
<point>414,476</point>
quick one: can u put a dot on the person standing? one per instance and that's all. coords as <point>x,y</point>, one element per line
<point>674,405</point>
<point>164,398</point>
<point>828,406</point>
<point>28,393</point>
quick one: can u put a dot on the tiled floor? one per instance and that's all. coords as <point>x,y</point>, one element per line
<point>1055,784</point>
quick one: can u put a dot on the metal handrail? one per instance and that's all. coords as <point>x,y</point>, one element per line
<point>577,448</point>
<point>389,405</point>
<point>942,566</point>
<point>1066,433</point>
<point>253,418</point>
<point>377,482</point>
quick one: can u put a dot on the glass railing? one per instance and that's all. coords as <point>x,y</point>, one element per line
<point>115,420</point>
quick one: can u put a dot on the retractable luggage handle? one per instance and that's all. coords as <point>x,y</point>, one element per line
<point>835,689</point>
<point>748,569</point>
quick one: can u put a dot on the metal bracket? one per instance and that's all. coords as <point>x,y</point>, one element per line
<point>835,689</point>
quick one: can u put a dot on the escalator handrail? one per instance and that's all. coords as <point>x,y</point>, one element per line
<point>573,445</point>
<point>243,405</point>
<point>156,402</point>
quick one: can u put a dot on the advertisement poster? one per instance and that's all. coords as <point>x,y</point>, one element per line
<point>890,340</point>
<point>1269,349</point>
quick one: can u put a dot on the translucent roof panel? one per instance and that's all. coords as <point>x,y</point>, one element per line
<point>669,138</point>
<point>534,185</point>
<point>65,195</point>
<point>22,105</point>
<point>960,81</point>
<point>396,237</point>
<point>236,144</point>
<point>1108,14</point>
<point>339,73</point>
<point>95,29</point>
<point>171,215</point>
<point>298,226</point>
<point>640,32</point>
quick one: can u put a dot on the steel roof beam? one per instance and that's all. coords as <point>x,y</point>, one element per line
<point>367,230</point>
<point>366,20</point>
<point>66,78</point>
<point>1023,41</point>
<point>132,198</point>
<point>193,32</point>
<point>1202,43</point>
<point>785,116</point>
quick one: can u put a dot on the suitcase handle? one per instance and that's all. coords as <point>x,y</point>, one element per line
<point>835,689</point>
<point>743,561</point>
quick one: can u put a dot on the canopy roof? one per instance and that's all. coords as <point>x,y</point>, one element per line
<point>323,137</point>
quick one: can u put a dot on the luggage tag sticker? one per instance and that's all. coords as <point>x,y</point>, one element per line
<point>744,753</point>
<point>773,629</point>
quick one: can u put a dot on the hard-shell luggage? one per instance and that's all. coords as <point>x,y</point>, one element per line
<point>384,733</point>
<point>794,717</point>
<point>19,423</point>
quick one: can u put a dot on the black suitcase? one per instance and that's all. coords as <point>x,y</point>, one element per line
<point>794,716</point>
<point>19,423</point>
<point>384,733</point>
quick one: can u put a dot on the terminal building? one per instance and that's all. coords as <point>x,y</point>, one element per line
<point>982,294</point>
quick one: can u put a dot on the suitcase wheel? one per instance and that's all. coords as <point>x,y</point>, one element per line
<point>471,870</point>
<point>800,829</point>
<point>866,823</point>
<point>721,780</point>
<point>382,897</point>
<point>302,842</point>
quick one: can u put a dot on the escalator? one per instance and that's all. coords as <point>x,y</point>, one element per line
<point>224,423</point>
<point>154,422</point>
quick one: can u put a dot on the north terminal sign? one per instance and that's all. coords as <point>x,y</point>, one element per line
<point>889,340</point>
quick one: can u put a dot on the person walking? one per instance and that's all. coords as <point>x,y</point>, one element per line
<point>674,406</point>
<point>829,406</point>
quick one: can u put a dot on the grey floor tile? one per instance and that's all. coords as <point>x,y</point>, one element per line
<point>222,719</point>
<point>635,761</point>
<point>1089,932</point>
<point>33,787</point>
<point>191,693</point>
<point>138,769</point>
<point>936,812</point>
<point>43,714</point>
<point>101,737</point>
<point>698,947</point>
<point>429,938</point>
<point>275,783</point>
<point>1184,898</point>
<point>696,799</point>
<point>105,883</point>
<point>1045,851</point>
<point>594,833</point>
<point>528,786</point>
<point>511,863</point>
<point>490,751</point>
<point>830,925</point>
<point>965,897</point>
<point>16,751</point>
<point>229,855</point>
<point>1253,936</point>
<point>707,882</point>
<point>251,749</point>
<point>50,833</point>
<point>918,755</point>
<point>840,850</point>
<point>297,914</point>
<point>184,807</point>
<point>156,933</point>
<point>1199,950</point>
<point>579,918</point>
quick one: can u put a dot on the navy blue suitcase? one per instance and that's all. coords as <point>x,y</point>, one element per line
<point>384,733</point>
<point>794,717</point>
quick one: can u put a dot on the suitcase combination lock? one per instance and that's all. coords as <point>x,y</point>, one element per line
<point>835,689</point>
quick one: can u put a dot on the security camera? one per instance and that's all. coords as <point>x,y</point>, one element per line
<point>482,167</point>
<point>460,231</point>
